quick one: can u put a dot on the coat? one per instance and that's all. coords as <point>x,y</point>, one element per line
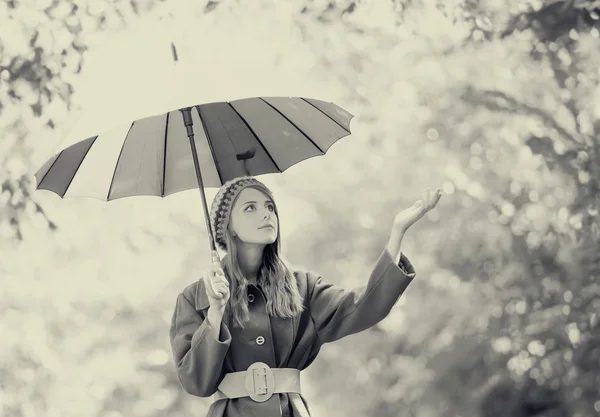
<point>331,313</point>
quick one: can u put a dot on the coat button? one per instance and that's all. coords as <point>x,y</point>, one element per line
<point>260,340</point>
<point>250,297</point>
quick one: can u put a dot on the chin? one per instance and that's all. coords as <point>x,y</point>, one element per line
<point>268,241</point>
<point>262,238</point>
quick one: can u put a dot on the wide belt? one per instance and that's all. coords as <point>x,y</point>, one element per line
<point>259,382</point>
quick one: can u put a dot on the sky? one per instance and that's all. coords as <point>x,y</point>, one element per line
<point>224,55</point>
<point>131,74</point>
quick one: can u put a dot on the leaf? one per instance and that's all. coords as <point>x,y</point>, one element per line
<point>540,145</point>
<point>210,6</point>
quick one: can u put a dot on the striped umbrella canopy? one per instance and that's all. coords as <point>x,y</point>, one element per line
<point>150,157</point>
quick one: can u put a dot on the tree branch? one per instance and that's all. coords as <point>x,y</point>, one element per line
<point>500,101</point>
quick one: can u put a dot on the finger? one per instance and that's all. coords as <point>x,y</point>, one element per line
<point>213,289</point>
<point>210,291</point>
<point>216,266</point>
<point>223,293</point>
<point>438,196</point>
<point>219,276</point>
<point>221,284</point>
<point>223,290</point>
<point>435,196</point>
<point>216,293</point>
<point>213,286</point>
<point>215,269</point>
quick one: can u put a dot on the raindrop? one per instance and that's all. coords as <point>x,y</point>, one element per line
<point>432,134</point>
<point>533,196</point>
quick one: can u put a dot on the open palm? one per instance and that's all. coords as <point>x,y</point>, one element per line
<point>409,216</point>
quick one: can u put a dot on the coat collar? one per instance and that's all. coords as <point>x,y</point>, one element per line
<point>201,298</point>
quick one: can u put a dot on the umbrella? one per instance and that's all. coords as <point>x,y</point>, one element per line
<point>248,136</point>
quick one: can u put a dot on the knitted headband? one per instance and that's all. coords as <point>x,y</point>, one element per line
<point>220,210</point>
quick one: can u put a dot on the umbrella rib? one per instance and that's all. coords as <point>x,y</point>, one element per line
<point>79,166</point>
<point>210,147</point>
<point>302,98</point>
<point>293,124</point>
<point>256,137</point>
<point>50,169</point>
<point>164,176</point>
<point>117,164</point>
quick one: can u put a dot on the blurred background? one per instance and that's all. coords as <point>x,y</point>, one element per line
<point>497,102</point>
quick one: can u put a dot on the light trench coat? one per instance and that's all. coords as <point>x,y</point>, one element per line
<point>331,313</point>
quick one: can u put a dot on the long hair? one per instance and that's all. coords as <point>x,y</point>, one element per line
<point>274,277</point>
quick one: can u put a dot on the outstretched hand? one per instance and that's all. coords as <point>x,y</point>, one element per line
<point>411,215</point>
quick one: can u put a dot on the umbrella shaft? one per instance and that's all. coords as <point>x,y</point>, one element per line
<point>189,125</point>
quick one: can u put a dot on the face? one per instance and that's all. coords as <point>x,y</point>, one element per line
<point>252,211</point>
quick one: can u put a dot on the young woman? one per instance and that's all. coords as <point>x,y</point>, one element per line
<point>245,331</point>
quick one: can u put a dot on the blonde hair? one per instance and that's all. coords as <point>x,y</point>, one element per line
<point>275,278</point>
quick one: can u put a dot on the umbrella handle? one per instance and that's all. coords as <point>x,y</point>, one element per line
<point>189,125</point>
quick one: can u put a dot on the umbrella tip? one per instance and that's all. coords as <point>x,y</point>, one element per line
<point>174,52</point>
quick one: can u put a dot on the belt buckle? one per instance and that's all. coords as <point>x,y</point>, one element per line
<point>260,382</point>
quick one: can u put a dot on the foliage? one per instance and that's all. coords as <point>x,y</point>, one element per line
<point>42,45</point>
<point>495,103</point>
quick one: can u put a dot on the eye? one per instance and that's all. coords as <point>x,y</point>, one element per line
<point>249,205</point>
<point>271,207</point>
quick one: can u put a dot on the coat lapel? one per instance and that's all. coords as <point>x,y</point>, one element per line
<point>201,299</point>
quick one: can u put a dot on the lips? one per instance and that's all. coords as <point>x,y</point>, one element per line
<point>267,226</point>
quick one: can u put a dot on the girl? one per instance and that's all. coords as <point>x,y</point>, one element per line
<point>244,331</point>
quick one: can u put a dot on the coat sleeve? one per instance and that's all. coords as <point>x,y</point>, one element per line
<point>338,312</point>
<point>198,354</point>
